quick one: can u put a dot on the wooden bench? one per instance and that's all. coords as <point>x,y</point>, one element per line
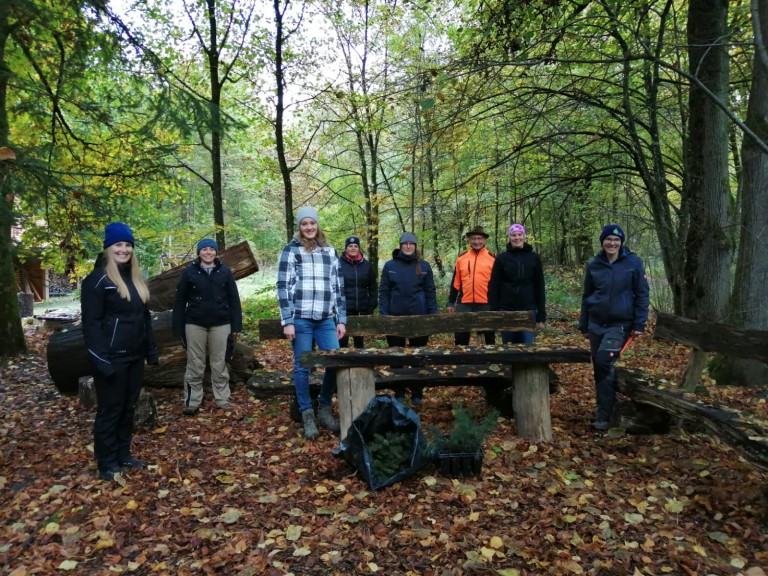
<point>355,380</point>
<point>734,427</point>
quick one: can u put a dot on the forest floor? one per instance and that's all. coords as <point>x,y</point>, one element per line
<point>244,493</point>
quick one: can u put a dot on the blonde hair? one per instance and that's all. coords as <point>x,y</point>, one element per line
<point>309,245</point>
<point>136,277</point>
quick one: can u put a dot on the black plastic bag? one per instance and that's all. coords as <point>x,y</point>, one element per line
<point>383,414</point>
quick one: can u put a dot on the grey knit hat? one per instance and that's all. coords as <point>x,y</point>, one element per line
<point>408,237</point>
<point>307,212</point>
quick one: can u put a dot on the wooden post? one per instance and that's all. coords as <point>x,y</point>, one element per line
<point>531,402</point>
<point>355,387</point>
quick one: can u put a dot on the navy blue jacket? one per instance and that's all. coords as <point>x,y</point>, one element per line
<point>115,329</point>
<point>207,298</point>
<point>517,282</point>
<point>615,294</point>
<point>402,292</point>
<point>360,286</point>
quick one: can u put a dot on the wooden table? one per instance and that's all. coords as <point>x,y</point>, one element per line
<point>355,379</point>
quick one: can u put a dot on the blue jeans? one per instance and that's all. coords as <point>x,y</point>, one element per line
<point>323,332</point>
<point>519,337</point>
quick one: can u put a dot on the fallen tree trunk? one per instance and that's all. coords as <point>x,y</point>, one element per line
<point>68,357</point>
<point>162,288</point>
<point>66,352</point>
<point>733,427</point>
<point>170,372</point>
<point>713,337</point>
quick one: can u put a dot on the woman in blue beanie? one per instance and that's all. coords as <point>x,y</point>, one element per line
<point>614,306</point>
<point>117,329</point>
<point>407,288</point>
<point>206,314</point>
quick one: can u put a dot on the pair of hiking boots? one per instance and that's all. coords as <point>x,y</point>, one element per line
<point>324,418</point>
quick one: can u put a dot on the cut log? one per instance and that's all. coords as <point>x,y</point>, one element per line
<point>414,326</point>
<point>162,288</point>
<point>733,427</point>
<point>68,358</point>
<point>713,337</point>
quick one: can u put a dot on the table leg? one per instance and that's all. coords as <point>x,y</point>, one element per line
<point>531,402</point>
<point>355,387</point>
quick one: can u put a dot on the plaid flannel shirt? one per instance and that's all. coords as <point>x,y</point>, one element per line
<point>309,285</point>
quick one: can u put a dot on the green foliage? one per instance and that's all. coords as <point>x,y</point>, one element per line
<point>467,434</point>
<point>564,288</point>
<point>390,452</point>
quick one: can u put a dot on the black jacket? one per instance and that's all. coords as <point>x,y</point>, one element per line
<point>114,329</point>
<point>207,298</point>
<point>517,282</point>
<point>360,288</point>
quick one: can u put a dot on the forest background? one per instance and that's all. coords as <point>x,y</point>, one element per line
<point>190,118</point>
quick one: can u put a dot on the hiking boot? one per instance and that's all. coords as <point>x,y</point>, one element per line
<point>190,410</point>
<point>225,406</point>
<point>109,474</point>
<point>310,428</point>
<point>601,424</point>
<point>326,419</point>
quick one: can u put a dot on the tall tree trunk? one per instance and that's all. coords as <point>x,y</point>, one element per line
<point>217,130</point>
<point>708,245</point>
<point>750,293</point>
<point>285,171</point>
<point>11,334</point>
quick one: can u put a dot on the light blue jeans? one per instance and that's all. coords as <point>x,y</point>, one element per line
<point>519,337</point>
<point>323,332</point>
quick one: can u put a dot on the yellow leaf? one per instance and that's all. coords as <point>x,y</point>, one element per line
<point>160,430</point>
<point>397,517</point>
<point>508,572</point>
<point>231,516</point>
<point>103,543</point>
<point>303,551</point>
<point>293,532</point>
<point>372,567</point>
<point>131,505</point>
<point>226,478</point>
<point>429,480</point>
<point>68,565</point>
<point>51,528</point>
<point>226,451</point>
<point>487,552</point>
<point>496,542</point>
<point>699,550</point>
<point>321,489</point>
<point>634,518</point>
<point>673,506</point>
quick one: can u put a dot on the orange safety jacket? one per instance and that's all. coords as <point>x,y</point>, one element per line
<point>471,277</point>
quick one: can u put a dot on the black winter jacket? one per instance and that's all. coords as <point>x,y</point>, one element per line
<point>207,298</point>
<point>115,329</point>
<point>402,292</point>
<point>517,282</point>
<point>360,287</point>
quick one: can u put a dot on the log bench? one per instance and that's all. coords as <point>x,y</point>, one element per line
<point>496,382</point>
<point>734,427</point>
<point>356,386</point>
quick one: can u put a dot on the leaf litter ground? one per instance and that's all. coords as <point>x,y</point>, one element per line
<point>244,493</point>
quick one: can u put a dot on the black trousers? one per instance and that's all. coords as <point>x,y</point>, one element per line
<point>116,398</point>
<point>416,391</point>
<point>605,345</point>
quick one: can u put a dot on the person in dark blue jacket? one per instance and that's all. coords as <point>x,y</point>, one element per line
<point>117,329</point>
<point>207,315</point>
<point>407,288</point>
<point>614,306</point>
<point>360,285</point>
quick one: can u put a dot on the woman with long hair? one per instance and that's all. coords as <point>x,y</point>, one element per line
<point>117,329</point>
<point>310,294</point>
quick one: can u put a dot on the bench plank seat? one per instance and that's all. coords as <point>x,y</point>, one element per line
<point>414,326</point>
